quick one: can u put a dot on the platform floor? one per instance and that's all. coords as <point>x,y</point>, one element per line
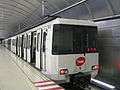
<point>16,74</point>
<point>11,76</point>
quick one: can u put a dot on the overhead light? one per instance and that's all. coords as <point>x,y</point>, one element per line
<point>103,84</point>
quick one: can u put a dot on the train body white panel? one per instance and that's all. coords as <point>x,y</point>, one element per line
<point>91,60</point>
<point>58,62</point>
<point>24,54</point>
<point>38,63</point>
<point>28,55</point>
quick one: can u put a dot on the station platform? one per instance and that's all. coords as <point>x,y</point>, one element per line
<point>16,74</point>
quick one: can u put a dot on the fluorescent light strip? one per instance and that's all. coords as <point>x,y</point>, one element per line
<point>102,83</point>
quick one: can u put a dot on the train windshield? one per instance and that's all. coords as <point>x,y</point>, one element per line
<point>72,39</point>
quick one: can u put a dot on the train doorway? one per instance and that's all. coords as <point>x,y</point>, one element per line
<point>33,48</point>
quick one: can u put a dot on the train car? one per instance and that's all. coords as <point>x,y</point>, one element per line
<point>63,49</point>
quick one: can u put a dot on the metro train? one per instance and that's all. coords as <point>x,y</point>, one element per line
<point>63,49</point>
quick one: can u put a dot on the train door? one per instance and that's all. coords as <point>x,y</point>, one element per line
<point>33,48</point>
<point>24,46</point>
<point>43,50</point>
<point>16,45</point>
<point>20,44</point>
<point>39,49</point>
<point>28,47</point>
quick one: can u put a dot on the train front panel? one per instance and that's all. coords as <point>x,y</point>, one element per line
<point>73,51</point>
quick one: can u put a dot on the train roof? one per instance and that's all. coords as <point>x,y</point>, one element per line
<point>74,22</point>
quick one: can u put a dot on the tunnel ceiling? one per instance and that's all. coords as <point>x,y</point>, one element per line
<point>18,14</point>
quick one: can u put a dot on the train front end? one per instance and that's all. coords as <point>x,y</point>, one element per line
<point>74,52</point>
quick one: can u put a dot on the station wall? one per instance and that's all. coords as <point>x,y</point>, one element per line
<point>109,48</point>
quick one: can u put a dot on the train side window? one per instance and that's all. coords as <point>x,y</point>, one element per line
<point>38,36</point>
<point>24,42</point>
<point>44,41</point>
<point>13,42</point>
